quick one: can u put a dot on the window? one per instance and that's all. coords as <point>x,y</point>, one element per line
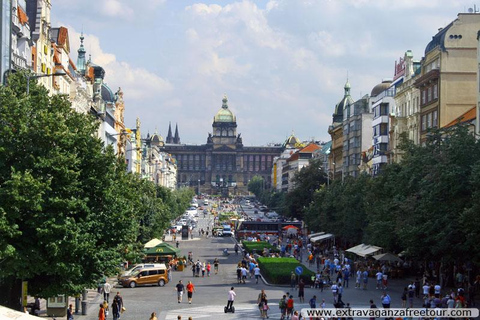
<point>429,120</point>
<point>424,122</point>
<point>45,49</point>
<point>435,119</point>
<point>345,129</point>
<point>424,97</point>
<point>152,272</point>
<point>429,94</point>
<point>384,109</point>
<point>435,91</point>
<point>43,67</point>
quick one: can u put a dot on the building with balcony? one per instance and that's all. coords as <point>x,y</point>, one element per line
<point>38,12</point>
<point>223,165</point>
<point>296,162</point>
<point>159,167</point>
<point>382,102</point>
<point>357,134</point>
<point>335,160</point>
<point>448,80</point>
<point>21,49</point>
<point>405,119</point>
<point>279,179</point>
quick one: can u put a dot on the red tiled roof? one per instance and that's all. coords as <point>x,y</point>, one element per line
<point>22,16</point>
<point>310,148</point>
<point>62,36</point>
<point>466,117</point>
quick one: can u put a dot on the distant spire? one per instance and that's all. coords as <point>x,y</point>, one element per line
<point>169,135</point>
<point>347,88</point>
<point>81,65</point>
<point>224,101</point>
<point>176,139</point>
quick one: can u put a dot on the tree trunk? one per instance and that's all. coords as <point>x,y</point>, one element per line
<point>11,293</point>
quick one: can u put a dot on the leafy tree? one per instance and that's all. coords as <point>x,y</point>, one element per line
<point>256,186</point>
<point>66,203</point>
<point>308,180</point>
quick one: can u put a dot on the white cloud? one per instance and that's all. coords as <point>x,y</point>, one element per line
<point>283,63</point>
<point>115,8</point>
<point>136,82</point>
<point>327,43</point>
<point>204,9</point>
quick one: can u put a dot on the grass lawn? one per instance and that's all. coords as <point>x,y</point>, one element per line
<point>278,270</point>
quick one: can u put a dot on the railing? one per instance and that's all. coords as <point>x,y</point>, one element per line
<point>19,62</point>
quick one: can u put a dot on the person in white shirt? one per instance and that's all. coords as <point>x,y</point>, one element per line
<point>256,272</point>
<point>437,289</point>
<point>379,279</point>
<point>425,288</point>
<point>107,288</point>
<point>231,298</point>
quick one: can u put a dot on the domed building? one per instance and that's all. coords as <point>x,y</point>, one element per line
<point>223,165</point>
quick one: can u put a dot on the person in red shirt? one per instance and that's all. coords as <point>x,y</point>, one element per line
<point>101,312</point>
<point>290,306</point>
<point>190,291</point>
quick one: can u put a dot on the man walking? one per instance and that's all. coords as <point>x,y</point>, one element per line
<point>301,291</point>
<point>256,272</point>
<point>179,288</point>
<point>119,301</point>
<point>385,300</point>
<point>190,291</point>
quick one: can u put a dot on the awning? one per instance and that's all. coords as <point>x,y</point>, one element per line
<point>6,313</point>
<point>310,236</point>
<point>322,237</point>
<point>364,250</point>
<point>163,249</point>
<point>387,257</point>
<point>152,243</point>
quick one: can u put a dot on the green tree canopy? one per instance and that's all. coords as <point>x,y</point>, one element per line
<point>69,212</point>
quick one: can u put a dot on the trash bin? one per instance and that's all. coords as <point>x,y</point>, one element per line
<point>84,308</point>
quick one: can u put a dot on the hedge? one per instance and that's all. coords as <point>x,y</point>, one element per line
<point>278,270</point>
<point>258,246</point>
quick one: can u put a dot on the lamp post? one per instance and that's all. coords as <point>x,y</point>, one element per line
<point>36,76</point>
<point>198,189</point>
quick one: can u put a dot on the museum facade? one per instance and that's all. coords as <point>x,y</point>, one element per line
<point>223,165</point>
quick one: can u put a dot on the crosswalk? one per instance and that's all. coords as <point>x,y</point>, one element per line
<point>242,311</point>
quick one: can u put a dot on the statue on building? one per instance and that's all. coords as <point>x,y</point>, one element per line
<point>239,139</point>
<point>210,138</point>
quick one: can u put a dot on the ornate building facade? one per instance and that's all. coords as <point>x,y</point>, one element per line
<point>223,165</point>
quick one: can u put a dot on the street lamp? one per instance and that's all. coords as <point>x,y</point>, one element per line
<point>36,76</point>
<point>198,189</point>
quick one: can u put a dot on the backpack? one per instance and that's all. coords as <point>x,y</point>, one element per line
<point>282,304</point>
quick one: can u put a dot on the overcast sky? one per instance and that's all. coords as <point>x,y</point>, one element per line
<point>282,63</point>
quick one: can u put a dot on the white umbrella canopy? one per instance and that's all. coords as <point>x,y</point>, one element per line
<point>387,257</point>
<point>10,314</point>
<point>152,243</point>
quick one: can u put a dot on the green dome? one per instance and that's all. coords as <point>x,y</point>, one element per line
<point>224,114</point>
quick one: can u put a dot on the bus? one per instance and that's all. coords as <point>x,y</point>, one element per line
<point>252,228</point>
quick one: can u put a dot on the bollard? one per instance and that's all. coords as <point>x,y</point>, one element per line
<point>84,308</point>
<point>84,295</point>
<point>77,305</point>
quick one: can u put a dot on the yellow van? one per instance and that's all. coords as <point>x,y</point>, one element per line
<point>153,276</point>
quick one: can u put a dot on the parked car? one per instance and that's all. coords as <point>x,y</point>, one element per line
<point>138,267</point>
<point>152,276</point>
